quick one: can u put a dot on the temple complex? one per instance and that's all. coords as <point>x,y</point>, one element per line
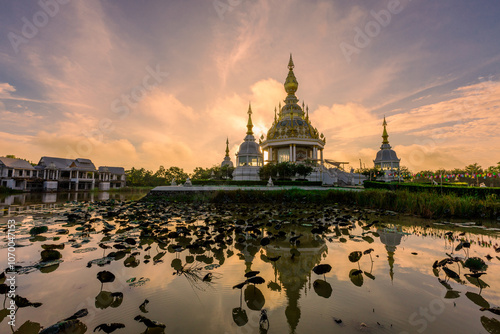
<point>292,138</point>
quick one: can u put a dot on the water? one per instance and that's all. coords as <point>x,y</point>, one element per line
<point>20,203</point>
<point>397,290</point>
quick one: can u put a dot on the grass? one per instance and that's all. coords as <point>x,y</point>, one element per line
<point>424,204</point>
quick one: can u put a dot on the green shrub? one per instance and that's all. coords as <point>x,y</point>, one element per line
<point>475,192</point>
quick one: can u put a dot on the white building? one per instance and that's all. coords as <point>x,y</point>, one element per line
<point>15,173</point>
<point>111,177</point>
<point>249,158</point>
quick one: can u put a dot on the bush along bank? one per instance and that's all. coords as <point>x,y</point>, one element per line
<point>424,204</point>
<point>476,192</point>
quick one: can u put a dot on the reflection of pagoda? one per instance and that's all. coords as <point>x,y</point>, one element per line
<point>294,273</point>
<point>248,249</point>
<point>390,238</point>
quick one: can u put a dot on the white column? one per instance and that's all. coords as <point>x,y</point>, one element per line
<point>291,152</point>
<point>294,152</point>
<point>270,157</point>
<point>321,151</point>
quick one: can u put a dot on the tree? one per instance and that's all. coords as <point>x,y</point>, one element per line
<point>303,169</point>
<point>177,173</point>
<point>474,169</point>
<point>268,170</point>
<point>286,169</point>
<point>201,173</point>
<point>405,173</point>
<point>371,173</point>
<point>226,172</point>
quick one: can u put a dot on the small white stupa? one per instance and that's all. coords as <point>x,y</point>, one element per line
<point>249,157</point>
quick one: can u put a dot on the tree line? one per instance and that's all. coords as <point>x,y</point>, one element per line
<point>164,176</point>
<point>472,174</point>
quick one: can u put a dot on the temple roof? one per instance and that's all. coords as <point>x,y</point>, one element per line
<point>292,120</point>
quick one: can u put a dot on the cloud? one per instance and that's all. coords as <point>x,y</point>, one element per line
<point>6,90</point>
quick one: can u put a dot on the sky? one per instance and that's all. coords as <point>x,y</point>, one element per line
<point>149,83</point>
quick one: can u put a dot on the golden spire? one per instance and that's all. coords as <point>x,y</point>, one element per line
<point>291,83</point>
<point>384,134</point>
<point>227,147</point>
<point>249,124</point>
<point>275,119</point>
<point>290,63</point>
<point>307,114</point>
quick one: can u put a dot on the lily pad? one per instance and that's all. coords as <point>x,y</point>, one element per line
<point>38,230</point>
<point>491,325</point>
<point>477,299</point>
<point>85,250</point>
<point>355,256</point>
<point>322,288</point>
<point>356,279</point>
<point>28,328</point>
<point>240,316</point>
<point>49,255</point>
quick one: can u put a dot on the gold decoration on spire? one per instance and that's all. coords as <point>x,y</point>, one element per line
<point>227,147</point>
<point>385,136</point>
<point>290,63</point>
<point>291,83</point>
<point>249,124</point>
<point>275,117</point>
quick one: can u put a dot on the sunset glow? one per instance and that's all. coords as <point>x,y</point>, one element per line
<point>144,84</point>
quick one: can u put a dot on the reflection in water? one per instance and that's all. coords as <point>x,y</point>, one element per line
<point>295,271</point>
<point>19,203</point>
<point>190,258</point>
<point>390,237</point>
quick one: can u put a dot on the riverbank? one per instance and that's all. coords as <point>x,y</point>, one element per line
<point>426,205</point>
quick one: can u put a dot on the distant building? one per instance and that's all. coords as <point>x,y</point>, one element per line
<point>111,177</point>
<point>70,174</point>
<point>16,173</point>
<point>387,159</point>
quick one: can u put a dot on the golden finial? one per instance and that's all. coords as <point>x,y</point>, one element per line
<point>307,113</point>
<point>291,83</point>
<point>385,136</point>
<point>227,147</point>
<point>249,124</point>
<point>275,119</point>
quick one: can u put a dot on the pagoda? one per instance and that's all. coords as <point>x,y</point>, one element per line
<point>249,157</point>
<point>387,159</point>
<point>227,159</point>
<point>292,138</point>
